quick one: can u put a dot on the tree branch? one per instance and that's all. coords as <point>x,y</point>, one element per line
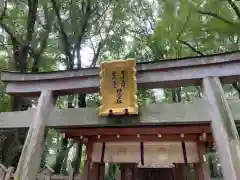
<point>64,37</point>
<point>83,28</point>
<point>96,54</point>
<point>191,47</point>
<point>187,96</point>
<point>238,38</point>
<point>199,91</point>
<point>214,15</point>
<point>4,46</point>
<point>4,10</point>
<point>185,25</point>
<point>147,15</point>
<point>92,45</point>
<point>100,15</point>
<point>9,32</point>
<point>23,50</point>
<point>32,16</point>
<point>101,43</point>
<point>144,30</point>
<point>15,41</point>
<point>235,8</point>
<point>184,42</point>
<point>43,40</point>
<point>4,26</point>
<point>86,13</point>
<point>79,60</point>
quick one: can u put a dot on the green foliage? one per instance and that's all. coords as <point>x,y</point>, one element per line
<point>5,100</point>
<point>93,100</point>
<point>111,171</point>
<point>145,97</point>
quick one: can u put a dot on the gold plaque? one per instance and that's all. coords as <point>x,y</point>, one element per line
<point>118,88</point>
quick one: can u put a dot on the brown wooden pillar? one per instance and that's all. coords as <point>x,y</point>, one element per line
<point>88,161</point>
<point>101,171</point>
<point>202,168</point>
<point>223,128</point>
<point>180,171</point>
<point>97,171</point>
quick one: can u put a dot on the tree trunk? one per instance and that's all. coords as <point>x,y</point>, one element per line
<point>78,157</point>
<point>174,95</point>
<point>60,156</point>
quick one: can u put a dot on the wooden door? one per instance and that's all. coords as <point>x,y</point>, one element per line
<point>156,174</point>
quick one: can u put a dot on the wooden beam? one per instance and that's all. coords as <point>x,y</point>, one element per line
<point>170,73</point>
<point>95,171</point>
<point>101,171</point>
<point>143,66</point>
<point>153,130</point>
<point>223,127</point>
<point>145,138</point>
<point>195,112</point>
<point>33,147</point>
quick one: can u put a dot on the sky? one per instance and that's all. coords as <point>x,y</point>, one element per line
<point>1,3</point>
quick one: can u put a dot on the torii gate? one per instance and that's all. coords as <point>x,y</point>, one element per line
<point>169,133</point>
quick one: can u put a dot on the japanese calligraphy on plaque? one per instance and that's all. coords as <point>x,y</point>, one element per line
<point>118,88</point>
<point>119,91</point>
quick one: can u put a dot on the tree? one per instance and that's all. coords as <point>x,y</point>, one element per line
<point>22,44</point>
